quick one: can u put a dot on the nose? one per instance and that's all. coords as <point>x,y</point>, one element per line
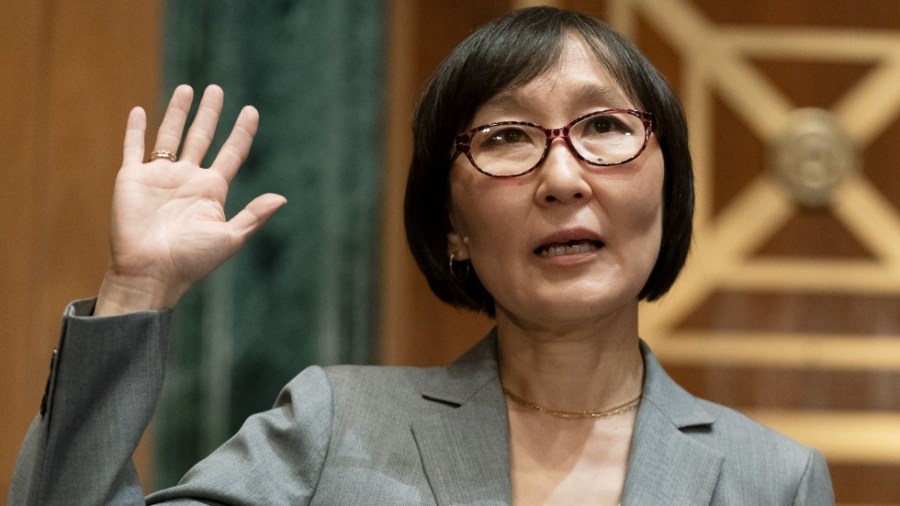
<point>562,176</point>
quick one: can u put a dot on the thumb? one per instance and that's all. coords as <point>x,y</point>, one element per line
<point>253,216</point>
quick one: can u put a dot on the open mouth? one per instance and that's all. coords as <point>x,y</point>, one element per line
<point>568,248</point>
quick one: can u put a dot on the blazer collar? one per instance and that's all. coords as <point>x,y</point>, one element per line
<point>667,465</point>
<point>465,451</point>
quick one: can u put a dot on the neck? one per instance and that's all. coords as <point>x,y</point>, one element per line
<point>580,368</point>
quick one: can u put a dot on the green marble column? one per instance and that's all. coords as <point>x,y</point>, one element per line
<point>303,290</point>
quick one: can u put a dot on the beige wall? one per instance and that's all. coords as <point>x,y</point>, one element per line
<point>71,72</point>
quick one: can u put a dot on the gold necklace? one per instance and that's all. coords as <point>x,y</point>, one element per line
<point>561,413</point>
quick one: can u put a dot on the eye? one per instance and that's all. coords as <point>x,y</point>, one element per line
<point>507,135</point>
<point>607,124</point>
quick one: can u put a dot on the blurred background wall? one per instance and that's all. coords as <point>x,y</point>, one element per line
<point>71,71</point>
<point>788,309</point>
<point>305,290</point>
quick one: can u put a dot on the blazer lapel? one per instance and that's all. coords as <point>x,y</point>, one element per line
<point>668,466</point>
<point>465,448</point>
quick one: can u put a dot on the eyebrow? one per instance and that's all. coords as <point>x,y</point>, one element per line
<point>591,93</point>
<point>501,100</point>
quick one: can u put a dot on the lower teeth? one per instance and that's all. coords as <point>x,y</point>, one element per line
<point>572,249</point>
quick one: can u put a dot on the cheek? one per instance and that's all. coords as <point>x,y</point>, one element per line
<point>650,210</point>
<point>635,209</point>
<point>462,213</point>
<point>652,217</point>
<point>473,219</point>
<point>636,200</point>
<point>484,209</point>
<point>485,231</point>
<point>638,238</point>
<point>650,186</point>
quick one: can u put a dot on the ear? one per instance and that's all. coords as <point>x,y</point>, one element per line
<point>457,243</point>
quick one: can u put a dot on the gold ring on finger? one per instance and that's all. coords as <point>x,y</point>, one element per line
<point>163,153</point>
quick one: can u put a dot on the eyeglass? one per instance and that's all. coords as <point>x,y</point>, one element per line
<point>515,148</point>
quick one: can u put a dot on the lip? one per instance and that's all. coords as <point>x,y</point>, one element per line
<point>568,236</point>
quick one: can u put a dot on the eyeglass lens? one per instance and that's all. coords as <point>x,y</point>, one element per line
<point>600,139</point>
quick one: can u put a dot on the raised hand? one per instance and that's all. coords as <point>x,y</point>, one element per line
<point>168,226</point>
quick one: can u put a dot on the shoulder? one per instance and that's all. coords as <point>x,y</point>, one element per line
<point>748,444</point>
<point>712,424</point>
<point>756,461</point>
<point>370,378</point>
<point>376,378</point>
<point>744,445</point>
<point>412,390</point>
<point>355,388</point>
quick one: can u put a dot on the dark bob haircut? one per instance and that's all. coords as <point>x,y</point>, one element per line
<point>508,53</point>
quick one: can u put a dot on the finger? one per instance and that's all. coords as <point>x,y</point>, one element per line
<point>237,146</point>
<point>169,135</point>
<point>133,150</point>
<point>202,130</point>
<point>254,216</point>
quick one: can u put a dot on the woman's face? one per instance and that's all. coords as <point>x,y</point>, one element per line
<point>569,243</point>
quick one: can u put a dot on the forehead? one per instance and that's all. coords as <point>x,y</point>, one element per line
<point>577,78</point>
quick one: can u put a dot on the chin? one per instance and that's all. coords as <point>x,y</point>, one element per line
<point>573,309</point>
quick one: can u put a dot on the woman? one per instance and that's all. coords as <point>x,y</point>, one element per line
<point>556,232</point>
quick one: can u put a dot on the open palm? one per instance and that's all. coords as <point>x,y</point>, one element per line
<point>169,227</point>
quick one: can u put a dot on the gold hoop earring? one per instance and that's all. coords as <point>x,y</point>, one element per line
<point>458,273</point>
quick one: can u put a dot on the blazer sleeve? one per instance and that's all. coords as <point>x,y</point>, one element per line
<point>815,486</point>
<point>105,380</point>
<point>277,456</point>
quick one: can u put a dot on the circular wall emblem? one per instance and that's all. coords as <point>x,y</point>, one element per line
<point>811,156</point>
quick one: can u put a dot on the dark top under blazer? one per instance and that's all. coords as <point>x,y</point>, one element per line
<point>374,435</point>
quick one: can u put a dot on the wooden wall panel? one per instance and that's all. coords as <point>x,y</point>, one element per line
<point>72,71</point>
<point>20,356</point>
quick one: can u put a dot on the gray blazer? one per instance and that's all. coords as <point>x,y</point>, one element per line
<point>374,435</point>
